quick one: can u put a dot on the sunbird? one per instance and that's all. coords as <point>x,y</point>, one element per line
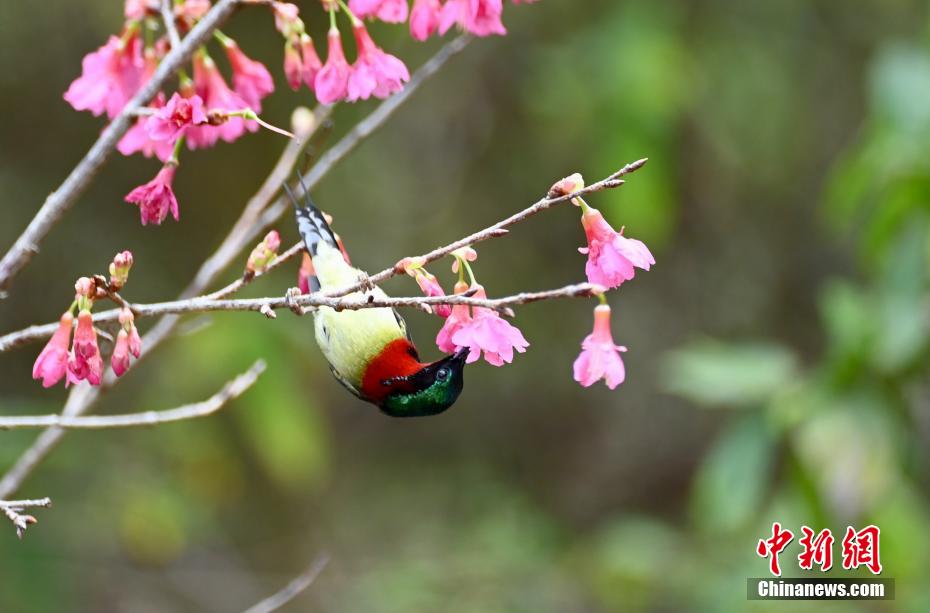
<point>369,350</point>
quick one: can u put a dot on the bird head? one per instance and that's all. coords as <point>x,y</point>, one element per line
<point>429,391</point>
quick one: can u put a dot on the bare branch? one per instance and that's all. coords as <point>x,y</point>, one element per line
<point>210,302</point>
<point>167,16</point>
<point>80,177</point>
<point>232,390</point>
<point>13,509</point>
<point>610,182</point>
<point>290,591</point>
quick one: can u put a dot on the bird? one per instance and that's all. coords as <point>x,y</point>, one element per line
<point>369,350</point>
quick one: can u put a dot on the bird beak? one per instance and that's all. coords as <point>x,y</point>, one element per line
<point>460,355</point>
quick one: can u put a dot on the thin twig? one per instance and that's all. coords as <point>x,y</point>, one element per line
<point>610,182</point>
<point>232,390</point>
<point>13,509</point>
<point>293,589</point>
<point>14,339</point>
<point>167,16</point>
<point>359,301</point>
<point>80,177</point>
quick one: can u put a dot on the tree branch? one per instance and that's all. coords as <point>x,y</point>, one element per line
<point>167,16</point>
<point>13,509</point>
<point>290,591</point>
<point>232,390</point>
<point>80,177</point>
<point>212,302</point>
<point>497,229</point>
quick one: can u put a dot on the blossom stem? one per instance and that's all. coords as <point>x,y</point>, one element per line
<point>131,28</point>
<point>225,40</point>
<point>251,115</point>
<point>345,7</point>
<point>175,154</point>
<point>332,20</point>
<point>602,297</point>
<point>471,273</point>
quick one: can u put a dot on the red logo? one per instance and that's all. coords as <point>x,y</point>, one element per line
<point>859,548</point>
<point>817,549</point>
<point>771,547</point>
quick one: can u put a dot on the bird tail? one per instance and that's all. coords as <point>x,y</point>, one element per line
<point>312,225</point>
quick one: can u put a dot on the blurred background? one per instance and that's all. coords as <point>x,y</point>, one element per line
<point>778,351</point>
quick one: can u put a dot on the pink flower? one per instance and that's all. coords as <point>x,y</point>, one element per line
<point>293,66</point>
<point>135,9</point>
<point>364,8</point>
<point>251,80</point>
<point>428,283</point>
<point>480,17</point>
<point>332,81</point>
<point>156,198</point>
<point>135,341</point>
<point>600,357</point>
<point>170,121</point>
<point>424,18</point>
<point>311,61</point>
<point>287,19</point>
<point>110,76</point>
<point>52,363</point>
<point>460,316</point>
<point>216,95</point>
<point>457,319</point>
<point>84,362</point>
<point>390,11</point>
<point>374,72</point>
<point>611,256</point>
<point>136,138</point>
<point>119,361</point>
<point>485,331</point>
<point>127,343</point>
<point>192,9</point>
<point>463,254</point>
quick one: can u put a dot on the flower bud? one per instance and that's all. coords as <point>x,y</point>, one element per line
<point>303,121</point>
<point>293,66</point>
<point>568,185</point>
<point>119,269</point>
<point>85,288</point>
<point>410,265</point>
<point>263,253</point>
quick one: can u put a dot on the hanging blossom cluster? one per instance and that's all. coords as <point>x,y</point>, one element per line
<point>480,330</point>
<point>83,361</point>
<point>612,260</point>
<point>205,109</point>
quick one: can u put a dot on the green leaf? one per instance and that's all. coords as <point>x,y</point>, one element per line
<point>713,373</point>
<point>735,476</point>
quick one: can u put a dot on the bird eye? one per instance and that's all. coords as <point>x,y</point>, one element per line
<point>442,373</point>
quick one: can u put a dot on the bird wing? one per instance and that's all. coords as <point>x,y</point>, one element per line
<point>346,384</point>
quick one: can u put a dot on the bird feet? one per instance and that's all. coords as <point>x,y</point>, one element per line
<point>365,281</point>
<point>291,299</point>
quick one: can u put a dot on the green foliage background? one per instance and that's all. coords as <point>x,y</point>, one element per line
<point>778,363</point>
